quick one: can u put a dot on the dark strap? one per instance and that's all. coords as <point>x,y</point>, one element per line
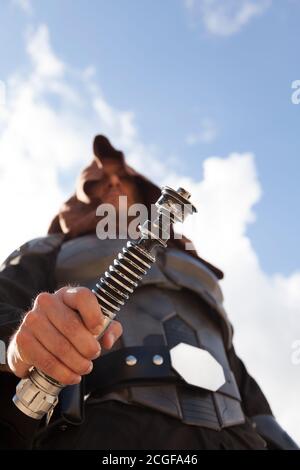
<point>111,370</point>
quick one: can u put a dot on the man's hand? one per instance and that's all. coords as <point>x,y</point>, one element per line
<point>58,336</point>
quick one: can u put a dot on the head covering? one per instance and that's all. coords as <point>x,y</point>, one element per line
<point>77,216</point>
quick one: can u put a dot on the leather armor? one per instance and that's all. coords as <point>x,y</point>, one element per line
<point>178,301</point>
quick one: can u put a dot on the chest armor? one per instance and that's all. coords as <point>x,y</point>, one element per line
<point>178,301</point>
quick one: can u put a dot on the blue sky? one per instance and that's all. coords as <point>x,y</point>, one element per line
<point>198,94</point>
<point>158,59</point>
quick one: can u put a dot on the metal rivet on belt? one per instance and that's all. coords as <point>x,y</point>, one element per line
<point>158,360</point>
<point>131,360</point>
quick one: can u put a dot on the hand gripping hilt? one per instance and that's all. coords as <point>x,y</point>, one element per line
<point>37,394</point>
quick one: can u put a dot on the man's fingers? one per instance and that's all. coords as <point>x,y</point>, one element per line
<point>68,322</point>
<point>60,347</point>
<point>83,300</point>
<point>59,335</point>
<point>111,335</point>
<point>38,356</point>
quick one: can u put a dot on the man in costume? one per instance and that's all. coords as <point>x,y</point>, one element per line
<point>130,396</point>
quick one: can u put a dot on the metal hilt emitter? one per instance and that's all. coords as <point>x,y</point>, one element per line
<point>37,394</point>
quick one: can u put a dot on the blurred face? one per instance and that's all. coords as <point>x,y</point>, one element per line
<point>116,182</point>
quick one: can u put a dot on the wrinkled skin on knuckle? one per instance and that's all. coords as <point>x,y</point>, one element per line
<point>44,301</point>
<point>30,320</point>
<point>63,348</point>
<point>72,325</point>
<point>83,295</point>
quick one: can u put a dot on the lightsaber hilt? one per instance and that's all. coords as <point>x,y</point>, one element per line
<point>37,394</point>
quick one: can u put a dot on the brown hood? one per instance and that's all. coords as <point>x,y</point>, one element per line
<point>77,216</point>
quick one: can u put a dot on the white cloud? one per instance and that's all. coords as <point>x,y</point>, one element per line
<point>45,62</point>
<point>46,129</point>
<point>206,133</point>
<point>25,5</point>
<point>226,17</point>
<point>265,310</point>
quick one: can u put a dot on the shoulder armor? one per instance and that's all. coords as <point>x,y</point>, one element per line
<point>40,245</point>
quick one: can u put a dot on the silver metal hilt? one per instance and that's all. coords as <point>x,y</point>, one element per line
<point>37,394</point>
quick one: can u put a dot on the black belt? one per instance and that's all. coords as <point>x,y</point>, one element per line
<point>112,370</point>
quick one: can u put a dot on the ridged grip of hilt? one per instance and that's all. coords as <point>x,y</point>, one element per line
<point>121,279</point>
